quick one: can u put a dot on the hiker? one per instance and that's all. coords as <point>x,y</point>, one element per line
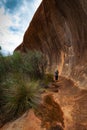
<point>56,75</point>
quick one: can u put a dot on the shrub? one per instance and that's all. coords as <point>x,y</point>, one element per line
<point>35,64</point>
<point>16,62</point>
<point>19,89</point>
<point>18,97</point>
<point>48,78</point>
<point>32,64</point>
<point>2,67</point>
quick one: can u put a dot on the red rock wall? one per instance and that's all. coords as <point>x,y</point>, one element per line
<point>59,29</point>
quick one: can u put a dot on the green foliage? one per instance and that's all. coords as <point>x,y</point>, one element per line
<point>16,62</point>
<point>19,89</point>
<point>35,64</point>
<point>32,64</point>
<point>18,97</point>
<point>2,67</point>
<point>48,78</point>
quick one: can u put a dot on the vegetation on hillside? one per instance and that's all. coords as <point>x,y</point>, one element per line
<point>20,90</point>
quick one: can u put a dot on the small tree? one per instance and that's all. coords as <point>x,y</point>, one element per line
<point>34,64</point>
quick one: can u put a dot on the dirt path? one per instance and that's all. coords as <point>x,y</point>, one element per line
<point>67,106</point>
<point>73,102</point>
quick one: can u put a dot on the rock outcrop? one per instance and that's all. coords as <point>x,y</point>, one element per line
<point>62,110</point>
<point>59,29</point>
<point>27,122</point>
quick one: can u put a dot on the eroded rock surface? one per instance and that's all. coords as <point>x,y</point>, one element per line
<point>59,29</point>
<point>73,102</point>
<point>27,122</point>
<point>62,110</point>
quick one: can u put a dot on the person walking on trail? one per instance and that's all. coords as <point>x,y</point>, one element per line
<point>56,75</point>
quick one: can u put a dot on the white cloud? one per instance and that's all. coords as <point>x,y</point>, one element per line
<point>4,18</point>
<point>20,19</point>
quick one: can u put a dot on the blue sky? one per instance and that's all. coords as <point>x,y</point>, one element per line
<point>15,16</point>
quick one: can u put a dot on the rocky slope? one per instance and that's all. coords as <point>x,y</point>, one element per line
<point>59,29</point>
<point>64,109</point>
<point>27,122</point>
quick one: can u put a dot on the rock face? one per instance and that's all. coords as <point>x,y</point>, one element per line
<point>59,29</point>
<point>27,122</point>
<point>62,110</point>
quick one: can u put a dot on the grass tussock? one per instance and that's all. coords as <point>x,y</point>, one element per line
<point>19,83</point>
<point>18,97</point>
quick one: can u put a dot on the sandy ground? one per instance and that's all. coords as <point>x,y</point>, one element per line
<point>73,102</point>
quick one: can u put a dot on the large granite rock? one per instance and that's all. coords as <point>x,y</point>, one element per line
<point>59,29</point>
<point>27,122</point>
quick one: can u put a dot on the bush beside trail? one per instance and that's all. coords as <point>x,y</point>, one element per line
<point>19,83</point>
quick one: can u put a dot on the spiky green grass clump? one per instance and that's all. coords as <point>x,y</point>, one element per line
<point>19,86</point>
<point>19,98</point>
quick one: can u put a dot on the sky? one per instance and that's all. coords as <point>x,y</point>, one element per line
<point>15,16</point>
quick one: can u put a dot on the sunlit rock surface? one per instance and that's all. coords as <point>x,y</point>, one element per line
<point>27,122</point>
<point>59,30</point>
<point>65,109</point>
